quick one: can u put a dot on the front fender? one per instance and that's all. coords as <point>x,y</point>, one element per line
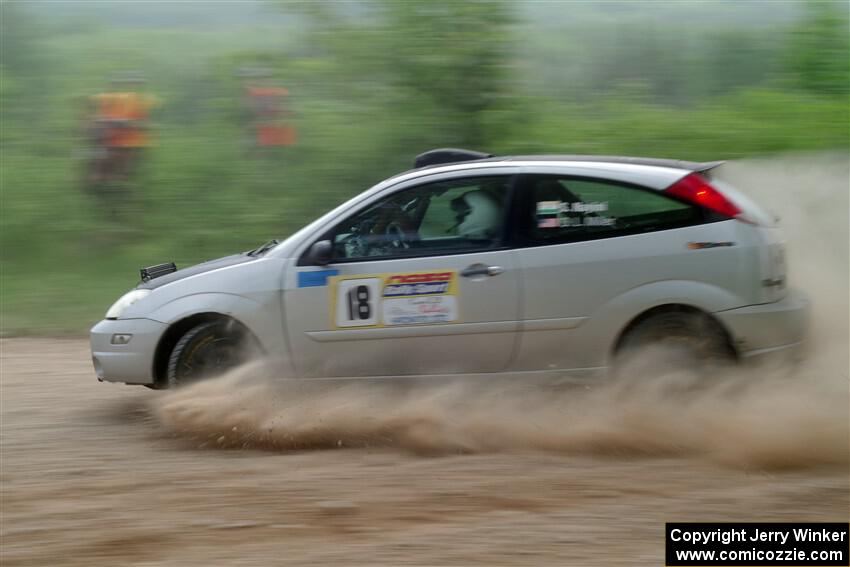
<point>262,320</point>
<point>229,304</point>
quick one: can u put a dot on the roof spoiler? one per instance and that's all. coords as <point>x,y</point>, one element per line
<point>707,166</point>
<point>447,155</point>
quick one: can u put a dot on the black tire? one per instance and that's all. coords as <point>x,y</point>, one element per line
<point>674,341</point>
<point>207,350</point>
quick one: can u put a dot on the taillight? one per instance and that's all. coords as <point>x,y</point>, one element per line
<point>696,190</point>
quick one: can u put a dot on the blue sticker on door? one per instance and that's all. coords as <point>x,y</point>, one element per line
<point>316,278</point>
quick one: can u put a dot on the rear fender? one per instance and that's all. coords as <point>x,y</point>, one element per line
<point>604,327</point>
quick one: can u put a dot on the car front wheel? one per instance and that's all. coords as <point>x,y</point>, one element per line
<point>207,350</point>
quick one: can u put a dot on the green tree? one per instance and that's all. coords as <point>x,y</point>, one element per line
<point>456,53</point>
<point>819,49</point>
<point>442,57</point>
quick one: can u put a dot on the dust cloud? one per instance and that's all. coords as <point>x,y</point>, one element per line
<point>760,418</point>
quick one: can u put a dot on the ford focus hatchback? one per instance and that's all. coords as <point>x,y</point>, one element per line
<point>472,264</point>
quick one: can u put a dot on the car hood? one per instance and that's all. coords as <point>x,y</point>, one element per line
<point>197,269</point>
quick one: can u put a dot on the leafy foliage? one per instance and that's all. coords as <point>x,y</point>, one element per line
<point>373,84</point>
<point>819,49</point>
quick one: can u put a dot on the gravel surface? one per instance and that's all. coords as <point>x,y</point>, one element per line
<point>91,476</point>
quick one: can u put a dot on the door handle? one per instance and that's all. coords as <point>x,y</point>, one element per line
<point>482,270</point>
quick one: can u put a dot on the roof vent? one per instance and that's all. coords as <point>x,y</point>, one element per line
<point>447,155</point>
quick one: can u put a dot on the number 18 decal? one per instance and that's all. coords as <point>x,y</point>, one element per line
<point>356,302</point>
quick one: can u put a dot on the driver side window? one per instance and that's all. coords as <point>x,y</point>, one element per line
<point>437,218</point>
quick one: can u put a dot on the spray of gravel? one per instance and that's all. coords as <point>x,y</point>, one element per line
<point>767,418</point>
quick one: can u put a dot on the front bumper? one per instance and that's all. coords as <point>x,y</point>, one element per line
<point>132,362</point>
<point>772,330</point>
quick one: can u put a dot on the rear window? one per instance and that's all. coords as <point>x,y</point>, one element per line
<point>561,209</point>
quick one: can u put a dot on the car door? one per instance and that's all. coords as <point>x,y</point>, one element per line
<point>419,283</point>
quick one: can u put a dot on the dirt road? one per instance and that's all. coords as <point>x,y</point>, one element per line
<point>90,476</point>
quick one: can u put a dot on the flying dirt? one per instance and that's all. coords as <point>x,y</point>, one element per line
<point>250,469</point>
<point>744,419</point>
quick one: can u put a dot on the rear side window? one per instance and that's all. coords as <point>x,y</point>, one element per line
<point>560,209</point>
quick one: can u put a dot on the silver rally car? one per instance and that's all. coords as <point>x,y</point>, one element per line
<point>469,264</point>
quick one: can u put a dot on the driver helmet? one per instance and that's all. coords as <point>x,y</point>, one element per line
<point>478,215</point>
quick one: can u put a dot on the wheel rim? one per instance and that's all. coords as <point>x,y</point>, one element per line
<point>212,355</point>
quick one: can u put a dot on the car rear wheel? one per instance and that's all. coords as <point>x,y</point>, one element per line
<point>673,341</point>
<point>207,350</point>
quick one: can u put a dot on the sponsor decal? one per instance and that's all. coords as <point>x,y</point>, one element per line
<point>417,284</point>
<point>549,207</point>
<point>420,310</point>
<point>558,214</point>
<point>550,222</point>
<point>386,300</point>
<point>579,207</point>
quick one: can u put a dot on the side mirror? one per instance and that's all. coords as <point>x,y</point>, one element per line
<point>320,253</point>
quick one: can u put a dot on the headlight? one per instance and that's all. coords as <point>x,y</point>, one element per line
<point>126,301</point>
